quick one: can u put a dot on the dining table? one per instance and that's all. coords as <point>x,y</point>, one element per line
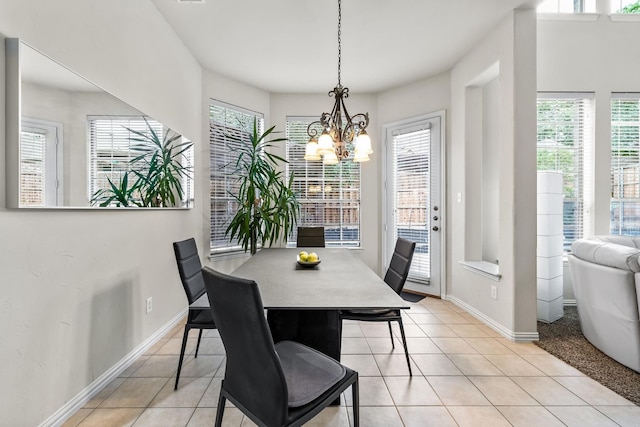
<point>303,301</point>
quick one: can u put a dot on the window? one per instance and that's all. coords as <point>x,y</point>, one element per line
<point>40,162</point>
<point>565,139</point>
<point>32,167</point>
<point>226,120</point>
<point>110,151</point>
<point>412,190</point>
<point>567,6</point>
<point>625,6</point>
<point>625,164</point>
<point>329,194</point>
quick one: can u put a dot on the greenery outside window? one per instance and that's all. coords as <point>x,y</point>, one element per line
<point>229,126</point>
<point>625,6</point>
<point>625,164</point>
<point>564,144</point>
<point>329,195</point>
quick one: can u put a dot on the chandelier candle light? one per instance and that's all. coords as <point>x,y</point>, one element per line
<point>331,146</point>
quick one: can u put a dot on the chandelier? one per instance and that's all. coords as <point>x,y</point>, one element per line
<point>331,146</point>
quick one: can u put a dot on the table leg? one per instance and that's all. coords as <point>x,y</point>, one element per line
<point>318,329</point>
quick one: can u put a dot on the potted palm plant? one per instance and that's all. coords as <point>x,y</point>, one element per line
<point>119,194</point>
<point>268,208</point>
<point>158,168</point>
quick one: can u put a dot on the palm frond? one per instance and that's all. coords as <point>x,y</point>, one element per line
<point>267,206</point>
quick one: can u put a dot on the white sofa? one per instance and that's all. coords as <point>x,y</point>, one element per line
<point>605,272</point>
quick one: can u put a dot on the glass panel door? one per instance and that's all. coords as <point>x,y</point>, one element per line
<point>413,198</point>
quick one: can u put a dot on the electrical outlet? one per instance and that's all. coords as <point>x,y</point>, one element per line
<point>149,305</point>
<point>494,292</point>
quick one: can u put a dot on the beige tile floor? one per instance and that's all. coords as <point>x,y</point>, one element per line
<point>465,374</point>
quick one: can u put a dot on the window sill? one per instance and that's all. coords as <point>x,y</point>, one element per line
<point>227,253</point>
<point>575,17</point>
<point>625,17</point>
<point>483,268</point>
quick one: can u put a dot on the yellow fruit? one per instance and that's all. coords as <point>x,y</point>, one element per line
<point>313,257</point>
<point>304,256</point>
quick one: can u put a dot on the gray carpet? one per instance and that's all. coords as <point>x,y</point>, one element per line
<point>563,338</point>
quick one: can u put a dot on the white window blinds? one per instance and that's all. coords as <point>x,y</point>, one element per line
<point>226,120</point>
<point>625,164</point>
<point>33,144</point>
<point>110,147</point>
<point>564,144</point>
<point>411,158</point>
<point>329,195</point>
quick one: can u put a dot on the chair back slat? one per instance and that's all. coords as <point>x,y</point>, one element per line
<point>398,270</point>
<point>190,268</point>
<point>253,373</point>
<point>310,237</point>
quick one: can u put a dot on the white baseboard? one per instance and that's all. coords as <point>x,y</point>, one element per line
<point>505,332</point>
<point>569,303</point>
<point>79,400</point>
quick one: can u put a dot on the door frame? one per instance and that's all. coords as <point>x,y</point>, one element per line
<point>387,247</point>
<point>53,157</point>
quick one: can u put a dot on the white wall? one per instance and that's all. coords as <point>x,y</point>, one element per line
<point>415,99</point>
<point>490,211</point>
<point>73,282</point>
<point>512,47</point>
<point>602,57</point>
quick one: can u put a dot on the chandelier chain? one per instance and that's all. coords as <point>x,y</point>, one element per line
<point>339,38</point>
<point>331,146</point>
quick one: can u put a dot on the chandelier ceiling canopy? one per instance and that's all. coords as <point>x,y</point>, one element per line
<point>338,127</point>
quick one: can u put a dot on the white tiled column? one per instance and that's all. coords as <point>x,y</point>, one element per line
<point>549,265</point>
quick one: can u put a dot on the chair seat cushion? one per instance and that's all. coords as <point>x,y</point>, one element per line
<point>308,372</point>
<point>373,312</point>
<point>371,315</point>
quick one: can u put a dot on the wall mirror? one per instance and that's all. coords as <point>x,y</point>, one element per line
<point>71,144</point>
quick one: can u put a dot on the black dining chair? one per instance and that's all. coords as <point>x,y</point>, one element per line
<point>310,237</point>
<point>190,270</point>
<point>395,277</point>
<point>283,384</point>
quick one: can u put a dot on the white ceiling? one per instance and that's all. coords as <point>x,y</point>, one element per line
<point>291,45</point>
